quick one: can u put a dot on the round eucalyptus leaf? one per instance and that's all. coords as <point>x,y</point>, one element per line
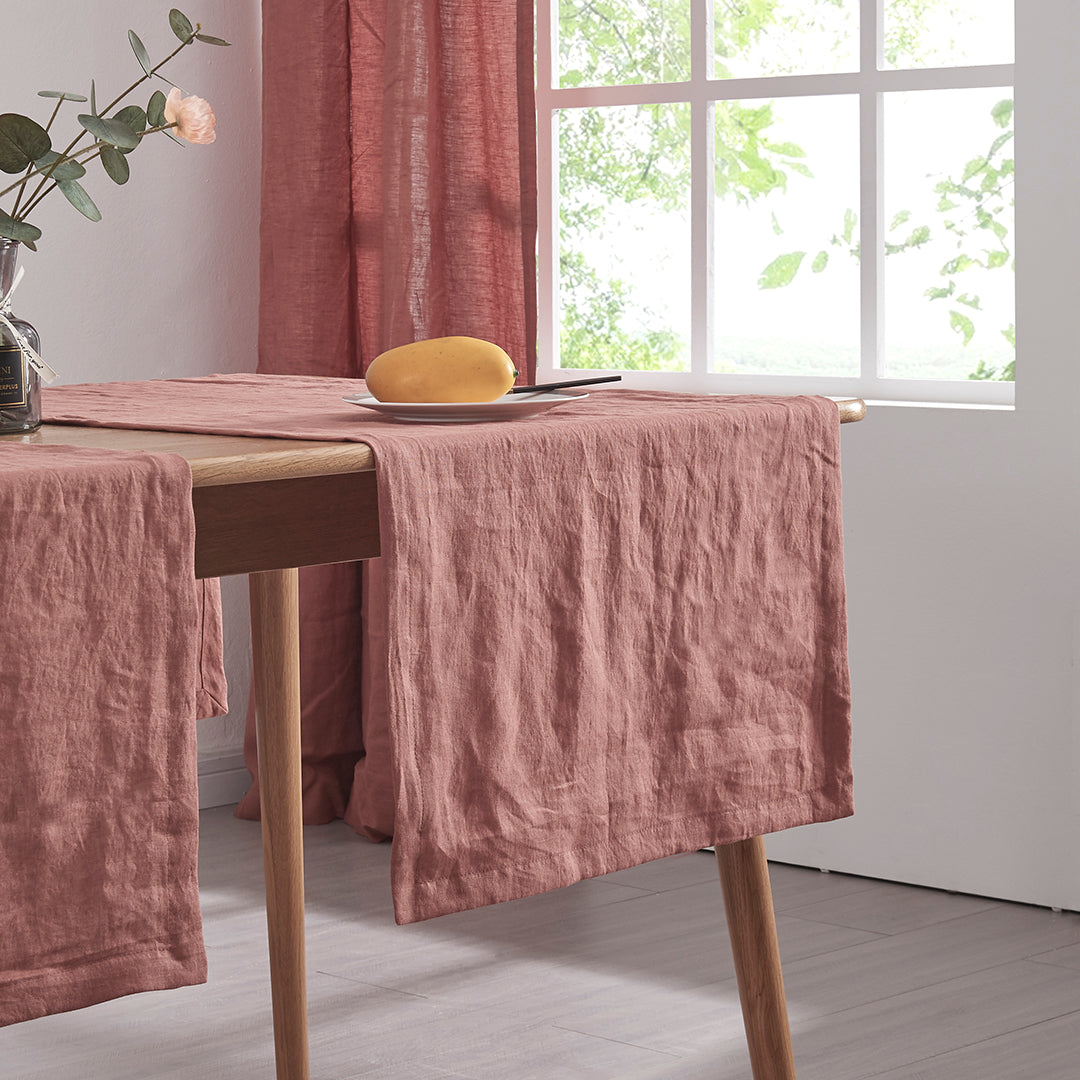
<point>155,109</point>
<point>116,165</point>
<point>132,115</point>
<point>75,194</point>
<point>140,52</point>
<point>60,94</point>
<point>135,118</point>
<point>113,131</point>
<point>22,140</point>
<point>181,25</point>
<point>210,40</point>
<point>18,230</point>
<point>68,169</point>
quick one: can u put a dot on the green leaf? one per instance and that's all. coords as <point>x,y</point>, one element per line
<point>22,140</point>
<point>211,40</point>
<point>850,220</point>
<point>962,325</point>
<point>63,94</point>
<point>68,169</point>
<point>1002,112</point>
<point>776,228</point>
<point>970,301</point>
<point>135,118</point>
<point>155,109</point>
<point>821,260</point>
<point>140,52</point>
<point>116,165</point>
<point>918,236</point>
<point>75,194</point>
<point>1010,335</point>
<point>899,219</point>
<point>181,25</point>
<point>786,149</point>
<point>93,98</point>
<point>940,294</point>
<point>781,271</point>
<point>994,259</point>
<point>957,265</point>
<point>114,132</point>
<point>975,165</point>
<point>999,142</point>
<point>18,230</point>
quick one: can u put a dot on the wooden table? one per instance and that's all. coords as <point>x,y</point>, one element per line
<point>260,510</point>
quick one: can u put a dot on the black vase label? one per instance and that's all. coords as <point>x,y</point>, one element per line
<point>12,376</point>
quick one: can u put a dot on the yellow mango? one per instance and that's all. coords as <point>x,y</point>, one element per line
<point>441,369</point>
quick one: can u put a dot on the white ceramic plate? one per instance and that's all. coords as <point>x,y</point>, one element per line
<point>508,407</point>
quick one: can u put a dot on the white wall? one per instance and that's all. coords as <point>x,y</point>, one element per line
<point>962,542</point>
<point>166,284</point>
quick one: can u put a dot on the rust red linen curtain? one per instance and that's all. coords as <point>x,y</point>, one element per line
<point>398,203</point>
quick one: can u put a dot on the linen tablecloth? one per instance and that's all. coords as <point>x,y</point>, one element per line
<point>101,633</point>
<point>615,631</point>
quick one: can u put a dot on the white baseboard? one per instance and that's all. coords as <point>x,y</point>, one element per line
<point>223,780</point>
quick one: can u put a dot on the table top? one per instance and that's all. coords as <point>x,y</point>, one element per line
<point>234,459</point>
<point>217,459</point>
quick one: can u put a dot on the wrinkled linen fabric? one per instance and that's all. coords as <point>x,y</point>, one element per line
<point>616,631</point>
<point>100,624</point>
<point>408,211</point>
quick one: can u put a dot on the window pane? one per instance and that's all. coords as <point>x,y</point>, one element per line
<point>616,42</point>
<point>624,237</point>
<point>786,266</point>
<point>949,281</point>
<point>785,37</point>
<point>944,33</point>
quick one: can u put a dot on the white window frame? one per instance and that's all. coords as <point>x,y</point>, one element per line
<point>870,83</point>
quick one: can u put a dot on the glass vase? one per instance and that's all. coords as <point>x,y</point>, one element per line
<point>20,384</point>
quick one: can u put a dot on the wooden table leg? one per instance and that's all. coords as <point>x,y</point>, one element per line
<point>744,875</point>
<point>275,637</point>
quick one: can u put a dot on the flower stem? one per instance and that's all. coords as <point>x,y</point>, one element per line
<point>30,168</point>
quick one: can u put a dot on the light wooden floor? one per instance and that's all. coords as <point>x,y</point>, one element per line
<point>626,977</point>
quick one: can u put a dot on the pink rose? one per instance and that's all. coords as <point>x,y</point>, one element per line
<point>193,117</point>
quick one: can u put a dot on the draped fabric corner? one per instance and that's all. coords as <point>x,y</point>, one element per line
<point>398,203</point>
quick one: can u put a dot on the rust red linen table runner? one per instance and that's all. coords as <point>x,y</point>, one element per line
<point>100,626</point>
<point>614,631</point>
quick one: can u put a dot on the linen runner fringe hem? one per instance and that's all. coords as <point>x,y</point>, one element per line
<point>165,967</point>
<point>417,900</point>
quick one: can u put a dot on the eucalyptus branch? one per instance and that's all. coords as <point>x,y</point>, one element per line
<point>28,152</point>
<point>37,194</point>
<point>47,169</point>
<point>59,101</point>
<point>30,168</point>
<point>146,75</point>
<point>94,152</point>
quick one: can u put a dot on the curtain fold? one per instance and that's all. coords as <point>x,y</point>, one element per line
<point>398,203</point>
